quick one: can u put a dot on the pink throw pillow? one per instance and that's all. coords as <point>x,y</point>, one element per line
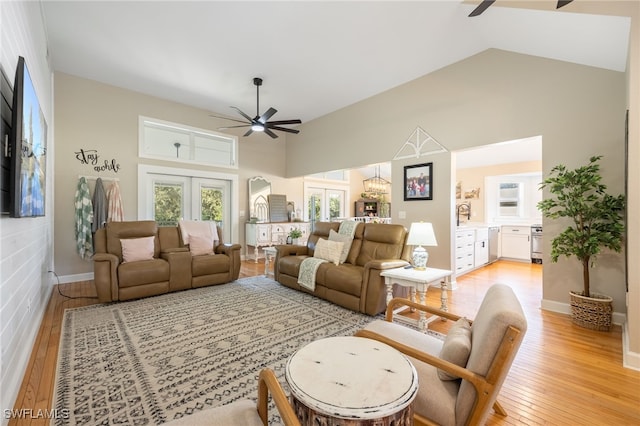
<point>135,249</point>
<point>200,244</point>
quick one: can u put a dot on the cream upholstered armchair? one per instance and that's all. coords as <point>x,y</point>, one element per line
<point>245,412</point>
<point>480,352</point>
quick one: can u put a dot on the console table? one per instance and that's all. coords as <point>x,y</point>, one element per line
<point>266,234</point>
<point>349,381</point>
<point>418,280</point>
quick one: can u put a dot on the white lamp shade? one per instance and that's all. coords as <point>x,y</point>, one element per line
<point>421,234</point>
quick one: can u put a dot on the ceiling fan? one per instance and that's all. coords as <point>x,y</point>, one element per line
<point>261,123</point>
<point>486,3</point>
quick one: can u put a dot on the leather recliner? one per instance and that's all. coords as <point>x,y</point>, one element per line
<point>171,268</point>
<point>355,284</point>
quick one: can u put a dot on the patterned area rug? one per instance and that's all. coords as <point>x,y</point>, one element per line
<point>148,361</point>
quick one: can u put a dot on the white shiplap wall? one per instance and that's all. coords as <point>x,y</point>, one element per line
<point>26,247</point>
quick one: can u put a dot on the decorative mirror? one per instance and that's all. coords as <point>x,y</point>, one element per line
<point>259,191</point>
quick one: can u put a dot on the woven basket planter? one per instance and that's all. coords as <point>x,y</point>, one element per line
<point>592,312</point>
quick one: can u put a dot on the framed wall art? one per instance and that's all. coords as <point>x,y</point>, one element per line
<point>418,182</point>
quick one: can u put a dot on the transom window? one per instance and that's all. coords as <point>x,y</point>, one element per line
<point>164,140</point>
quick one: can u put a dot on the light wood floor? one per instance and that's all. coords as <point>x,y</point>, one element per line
<point>563,374</point>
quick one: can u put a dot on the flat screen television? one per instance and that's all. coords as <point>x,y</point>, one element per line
<point>28,148</point>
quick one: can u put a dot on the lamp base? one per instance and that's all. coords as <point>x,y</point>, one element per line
<point>420,257</point>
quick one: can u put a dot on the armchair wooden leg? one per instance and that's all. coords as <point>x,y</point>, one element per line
<point>498,409</point>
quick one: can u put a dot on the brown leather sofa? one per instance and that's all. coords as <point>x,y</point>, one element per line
<point>355,284</point>
<point>172,268</point>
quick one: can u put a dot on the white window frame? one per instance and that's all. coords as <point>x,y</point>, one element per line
<point>528,196</point>
<point>193,132</point>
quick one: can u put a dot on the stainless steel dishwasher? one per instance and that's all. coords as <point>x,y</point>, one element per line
<point>536,244</point>
<point>494,234</point>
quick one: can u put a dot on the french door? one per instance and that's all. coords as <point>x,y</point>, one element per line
<point>324,204</point>
<point>174,197</point>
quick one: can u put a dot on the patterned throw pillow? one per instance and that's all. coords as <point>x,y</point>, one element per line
<point>456,347</point>
<point>328,250</point>
<point>200,244</point>
<point>135,249</point>
<point>346,239</point>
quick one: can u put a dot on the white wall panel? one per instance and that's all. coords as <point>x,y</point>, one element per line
<point>26,249</point>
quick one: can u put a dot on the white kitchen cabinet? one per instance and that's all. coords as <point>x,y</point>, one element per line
<point>516,242</point>
<point>481,247</point>
<point>269,234</point>
<point>464,250</point>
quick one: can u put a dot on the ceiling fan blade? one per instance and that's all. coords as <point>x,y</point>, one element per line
<point>277,123</point>
<point>284,129</point>
<point>233,127</point>
<point>267,115</point>
<point>226,118</point>
<point>248,132</point>
<point>243,114</point>
<point>270,133</point>
<point>562,3</point>
<point>481,7</point>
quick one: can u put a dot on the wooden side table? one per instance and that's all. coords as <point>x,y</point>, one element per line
<point>351,381</point>
<point>418,281</point>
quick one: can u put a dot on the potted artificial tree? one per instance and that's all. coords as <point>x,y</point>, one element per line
<point>597,223</point>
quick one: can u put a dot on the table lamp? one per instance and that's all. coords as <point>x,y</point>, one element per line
<point>421,234</point>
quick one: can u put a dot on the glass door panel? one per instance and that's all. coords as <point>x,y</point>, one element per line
<point>315,203</point>
<point>336,204</point>
<point>169,204</point>
<point>210,202</point>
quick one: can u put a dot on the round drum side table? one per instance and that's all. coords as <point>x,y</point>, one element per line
<point>351,381</point>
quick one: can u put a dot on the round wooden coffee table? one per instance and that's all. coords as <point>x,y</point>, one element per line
<point>351,381</point>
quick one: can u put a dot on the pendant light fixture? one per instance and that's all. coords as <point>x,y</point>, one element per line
<point>376,184</point>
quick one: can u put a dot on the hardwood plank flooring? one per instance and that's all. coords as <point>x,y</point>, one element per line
<point>563,374</point>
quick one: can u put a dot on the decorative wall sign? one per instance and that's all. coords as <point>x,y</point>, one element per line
<point>92,158</point>
<point>278,208</point>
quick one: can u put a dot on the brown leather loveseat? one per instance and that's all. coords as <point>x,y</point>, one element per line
<point>166,266</point>
<point>355,284</point>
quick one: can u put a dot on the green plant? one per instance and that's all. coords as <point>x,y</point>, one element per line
<point>295,233</point>
<point>597,216</point>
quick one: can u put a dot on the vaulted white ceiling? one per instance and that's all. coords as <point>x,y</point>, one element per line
<point>314,57</point>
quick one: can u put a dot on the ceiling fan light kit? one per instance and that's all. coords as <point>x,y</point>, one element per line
<point>261,123</point>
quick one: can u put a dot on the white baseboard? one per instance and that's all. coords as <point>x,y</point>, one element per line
<point>629,359</point>
<point>64,279</point>
<point>553,306</point>
<point>617,318</point>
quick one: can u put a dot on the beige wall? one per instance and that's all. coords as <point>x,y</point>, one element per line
<point>94,116</point>
<point>491,97</point>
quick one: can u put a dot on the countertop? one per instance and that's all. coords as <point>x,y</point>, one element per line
<point>476,225</point>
